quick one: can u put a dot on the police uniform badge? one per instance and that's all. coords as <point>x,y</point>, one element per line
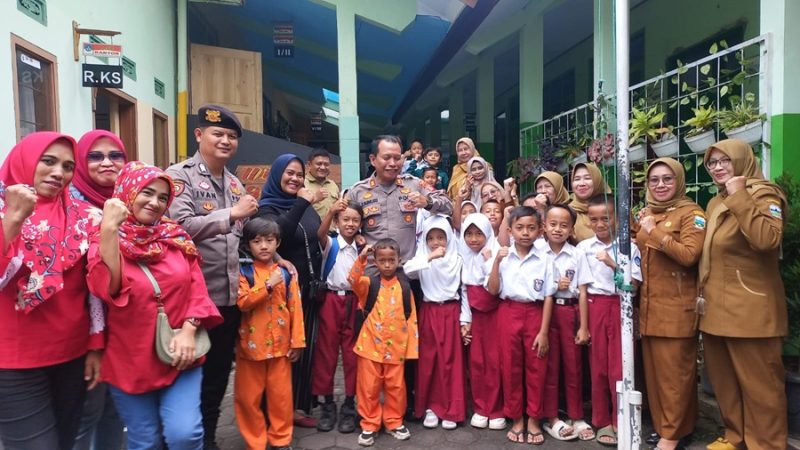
<point>178,187</point>
<point>209,206</point>
<point>204,185</point>
<point>235,189</point>
<point>212,115</point>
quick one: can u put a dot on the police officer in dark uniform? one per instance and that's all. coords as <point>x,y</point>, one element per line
<point>211,204</point>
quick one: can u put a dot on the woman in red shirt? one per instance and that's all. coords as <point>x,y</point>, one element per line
<point>153,398</point>
<point>44,320</point>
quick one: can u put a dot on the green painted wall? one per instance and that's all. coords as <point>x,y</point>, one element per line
<point>785,145</point>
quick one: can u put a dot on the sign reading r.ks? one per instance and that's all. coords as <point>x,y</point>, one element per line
<point>102,76</point>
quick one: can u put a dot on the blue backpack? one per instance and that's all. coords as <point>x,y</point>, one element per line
<point>248,272</point>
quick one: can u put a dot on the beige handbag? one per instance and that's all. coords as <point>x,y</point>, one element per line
<point>165,333</point>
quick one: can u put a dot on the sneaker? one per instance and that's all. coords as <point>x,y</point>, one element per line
<point>347,418</point>
<point>449,425</point>
<point>479,421</point>
<point>328,417</point>
<point>366,438</point>
<point>400,433</point>
<point>721,444</point>
<point>431,421</point>
<point>497,424</point>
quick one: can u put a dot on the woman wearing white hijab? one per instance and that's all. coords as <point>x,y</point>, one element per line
<point>440,380</point>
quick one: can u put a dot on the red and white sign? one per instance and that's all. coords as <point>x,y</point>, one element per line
<point>283,33</point>
<point>102,50</point>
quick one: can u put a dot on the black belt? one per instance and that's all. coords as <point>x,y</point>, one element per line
<point>565,301</point>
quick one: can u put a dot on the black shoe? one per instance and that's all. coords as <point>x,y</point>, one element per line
<point>210,444</point>
<point>328,418</point>
<point>347,418</point>
<point>286,447</point>
<point>653,438</point>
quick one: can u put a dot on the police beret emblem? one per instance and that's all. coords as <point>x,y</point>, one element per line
<point>212,115</point>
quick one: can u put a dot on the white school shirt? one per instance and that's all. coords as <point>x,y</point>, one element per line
<point>571,263</point>
<point>348,253</point>
<point>602,276</point>
<point>525,279</point>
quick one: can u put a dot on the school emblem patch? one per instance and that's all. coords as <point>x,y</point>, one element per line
<point>537,285</point>
<point>570,274</point>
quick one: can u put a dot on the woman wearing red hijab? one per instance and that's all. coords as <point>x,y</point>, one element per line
<point>98,161</point>
<point>140,256</point>
<point>44,321</point>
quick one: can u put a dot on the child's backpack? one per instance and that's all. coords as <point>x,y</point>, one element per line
<point>372,296</point>
<point>332,253</point>
<point>247,270</point>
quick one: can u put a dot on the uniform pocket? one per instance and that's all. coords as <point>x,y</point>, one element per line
<point>744,285</point>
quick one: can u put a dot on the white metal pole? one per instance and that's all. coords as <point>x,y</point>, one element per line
<point>628,420</point>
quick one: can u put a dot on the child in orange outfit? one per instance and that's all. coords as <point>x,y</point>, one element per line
<point>271,338</point>
<point>388,338</point>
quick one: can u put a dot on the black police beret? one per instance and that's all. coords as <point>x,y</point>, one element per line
<point>217,116</point>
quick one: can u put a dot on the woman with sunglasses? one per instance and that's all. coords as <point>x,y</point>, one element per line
<point>744,300</point>
<point>671,232</point>
<point>98,161</point>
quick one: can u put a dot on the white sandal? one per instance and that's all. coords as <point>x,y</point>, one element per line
<point>580,426</point>
<point>557,428</point>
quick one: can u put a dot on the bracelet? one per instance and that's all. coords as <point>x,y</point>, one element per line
<point>193,321</point>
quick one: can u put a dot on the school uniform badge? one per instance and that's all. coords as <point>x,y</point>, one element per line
<point>570,274</point>
<point>537,285</point>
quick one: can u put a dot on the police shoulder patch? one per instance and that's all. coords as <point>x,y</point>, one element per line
<point>179,187</point>
<point>699,222</point>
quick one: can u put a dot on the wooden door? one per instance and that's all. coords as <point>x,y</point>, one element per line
<point>229,78</point>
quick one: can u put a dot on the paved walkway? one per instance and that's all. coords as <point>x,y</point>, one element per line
<point>462,438</point>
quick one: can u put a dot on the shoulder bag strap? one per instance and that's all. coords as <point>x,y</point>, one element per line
<point>156,287</point>
<point>308,252</point>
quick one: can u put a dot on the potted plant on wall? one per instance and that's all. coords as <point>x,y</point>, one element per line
<point>742,120</point>
<point>702,135</point>
<point>645,127</point>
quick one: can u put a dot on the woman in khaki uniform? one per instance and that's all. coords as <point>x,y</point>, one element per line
<point>670,238</point>
<point>745,304</point>
<point>586,182</point>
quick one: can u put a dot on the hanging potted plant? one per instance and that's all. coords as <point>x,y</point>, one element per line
<point>645,127</point>
<point>742,120</point>
<point>702,135</point>
<point>601,150</point>
<point>572,153</point>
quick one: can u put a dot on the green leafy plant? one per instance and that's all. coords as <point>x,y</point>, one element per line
<point>790,265</point>
<point>740,113</point>
<point>702,121</point>
<point>645,126</point>
<point>524,167</point>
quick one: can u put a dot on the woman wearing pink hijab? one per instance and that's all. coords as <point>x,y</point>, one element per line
<point>98,160</point>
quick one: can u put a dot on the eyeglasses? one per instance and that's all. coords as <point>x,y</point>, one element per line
<point>667,180</point>
<point>113,156</point>
<point>722,162</point>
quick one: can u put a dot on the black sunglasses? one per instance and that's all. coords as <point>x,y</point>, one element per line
<point>113,156</point>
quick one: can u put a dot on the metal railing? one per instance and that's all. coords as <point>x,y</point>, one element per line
<point>732,73</point>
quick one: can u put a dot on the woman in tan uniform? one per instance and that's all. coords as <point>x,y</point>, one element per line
<point>745,304</point>
<point>586,182</point>
<point>670,238</point>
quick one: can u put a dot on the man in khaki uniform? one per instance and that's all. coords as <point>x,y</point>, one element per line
<point>745,303</point>
<point>390,200</point>
<point>670,237</point>
<point>211,203</point>
<point>317,171</point>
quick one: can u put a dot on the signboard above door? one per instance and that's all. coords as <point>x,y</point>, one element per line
<point>102,50</point>
<point>101,76</point>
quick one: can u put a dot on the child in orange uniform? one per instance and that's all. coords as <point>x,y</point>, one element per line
<point>271,338</point>
<point>386,340</point>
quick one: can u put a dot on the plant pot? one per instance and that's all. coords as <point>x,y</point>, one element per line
<point>637,153</point>
<point>699,143</point>
<point>579,159</point>
<point>667,148</point>
<point>793,402</point>
<point>750,133</point>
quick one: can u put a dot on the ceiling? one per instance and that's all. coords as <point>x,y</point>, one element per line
<point>388,62</point>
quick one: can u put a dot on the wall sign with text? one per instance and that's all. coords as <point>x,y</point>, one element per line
<point>101,76</point>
